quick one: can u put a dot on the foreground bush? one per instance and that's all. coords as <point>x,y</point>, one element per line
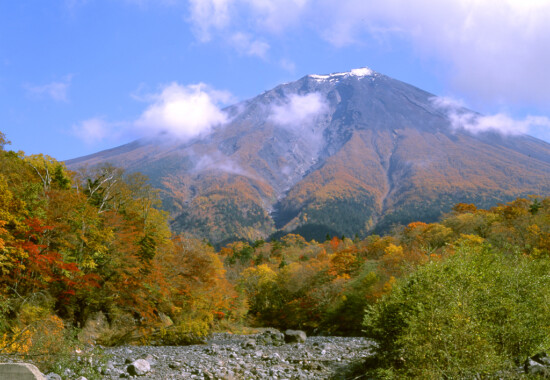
<point>477,313</point>
<point>45,342</point>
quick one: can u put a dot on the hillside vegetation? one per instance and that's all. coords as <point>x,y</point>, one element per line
<point>381,153</point>
<point>79,246</point>
<point>74,244</point>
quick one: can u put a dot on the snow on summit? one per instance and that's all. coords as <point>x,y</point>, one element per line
<point>361,72</point>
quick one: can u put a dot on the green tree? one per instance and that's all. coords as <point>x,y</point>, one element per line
<point>476,313</point>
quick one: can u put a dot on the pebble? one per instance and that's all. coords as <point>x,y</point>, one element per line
<point>228,356</point>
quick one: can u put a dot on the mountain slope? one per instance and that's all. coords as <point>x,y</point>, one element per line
<point>346,153</point>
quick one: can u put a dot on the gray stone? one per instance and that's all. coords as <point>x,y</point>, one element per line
<point>139,367</point>
<point>542,358</point>
<point>53,376</point>
<point>271,337</point>
<point>150,358</point>
<point>20,371</point>
<point>249,343</point>
<point>68,372</point>
<point>534,368</point>
<point>295,336</point>
<point>174,365</point>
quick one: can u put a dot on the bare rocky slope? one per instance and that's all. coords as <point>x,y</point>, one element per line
<point>345,153</point>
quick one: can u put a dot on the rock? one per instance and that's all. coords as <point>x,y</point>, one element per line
<point>68,372</point>
<point>249,343</point>
<point>535,368</point>
<point>20,371</point>
<point>224,357</point>
<point>271,337</point>
<point>295,336</point>
<point>53,376</point>
<point>139,367</point>
<point>150,358</point>
<point>174,365</point>
<point>119,373</point>
<point>542,358</point>
<point>165,320</point>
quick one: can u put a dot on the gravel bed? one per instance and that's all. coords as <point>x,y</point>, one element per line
<point>228,356</point>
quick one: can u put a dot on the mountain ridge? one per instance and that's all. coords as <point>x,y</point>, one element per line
<point>343,153</point>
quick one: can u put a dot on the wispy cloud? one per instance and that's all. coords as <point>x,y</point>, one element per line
<point>175,112</point>
<point>218,161</point>
<point>207,16</point>
<point>492,50</point>
<point>93,130</point>
<point>247,45</point>
<point>288,65</point>
<point>298,110</point>
<point>502,123</point>
<point>57,90</point>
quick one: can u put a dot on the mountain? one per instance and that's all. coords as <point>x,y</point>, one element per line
<point>344,154</point>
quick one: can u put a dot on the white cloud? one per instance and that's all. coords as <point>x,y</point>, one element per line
<point>54,90</point>
<point>496,51</point>
<point>184,111</point>
<point>247,45</point>
<point>299,110</point>
<point>176,112</point>
<point>502,123</point>
<point>208,15</point>
<point>276,16</point>
<point>93,130</point>
<point>244,20</point>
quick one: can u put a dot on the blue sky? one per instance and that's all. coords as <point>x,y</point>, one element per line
<point>79,76</point>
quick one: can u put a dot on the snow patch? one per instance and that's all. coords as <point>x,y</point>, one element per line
<point>319,77</point>
<point>360,73</point>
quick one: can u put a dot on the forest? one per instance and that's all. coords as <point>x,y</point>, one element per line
<point>75,245</point>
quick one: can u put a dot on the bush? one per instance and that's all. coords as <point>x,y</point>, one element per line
<point>477,313</point>
<point>52,347</point>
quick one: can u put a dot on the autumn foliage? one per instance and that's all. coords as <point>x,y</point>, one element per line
<point>325,286</point>
<point>75,244</point>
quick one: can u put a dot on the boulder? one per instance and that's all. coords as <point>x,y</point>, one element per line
<point>150,358</point>
<point>295,336</point>
<point>271,337</point>
<point>139,367</point>
<point>20,371</point>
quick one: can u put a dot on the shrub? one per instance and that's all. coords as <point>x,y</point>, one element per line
<point>189,331</point>
<point>474,314</point>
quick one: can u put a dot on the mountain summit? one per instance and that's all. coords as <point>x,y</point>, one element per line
<point>340,154</point>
